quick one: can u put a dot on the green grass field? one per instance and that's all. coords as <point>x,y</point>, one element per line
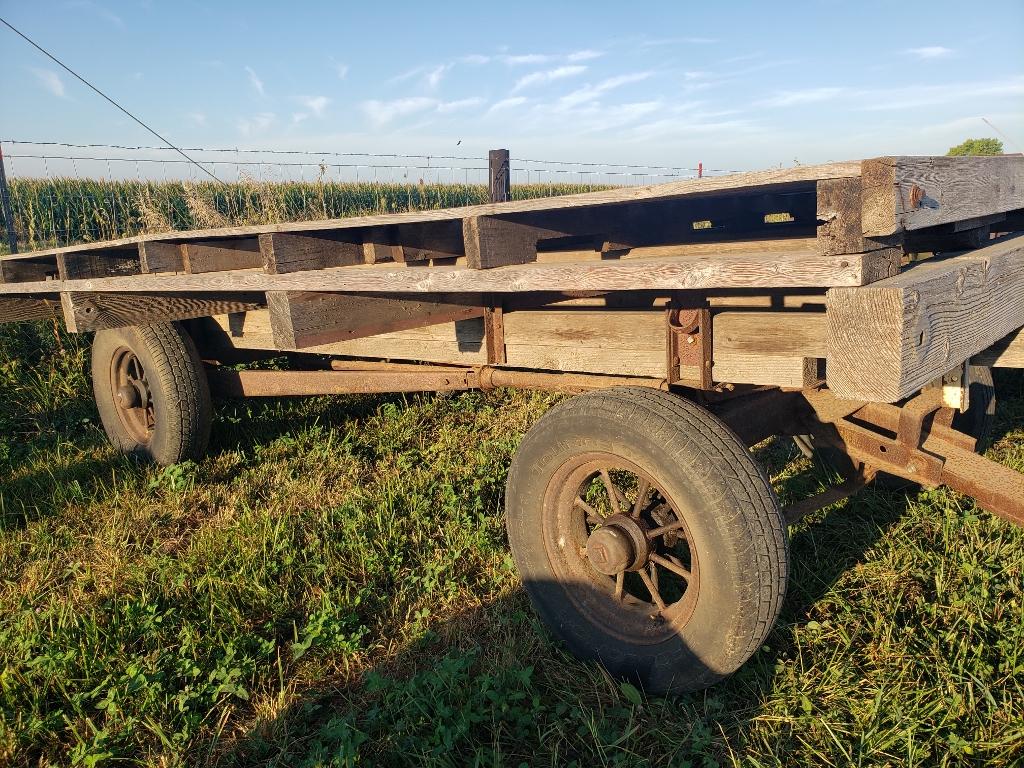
<point>332,586</point>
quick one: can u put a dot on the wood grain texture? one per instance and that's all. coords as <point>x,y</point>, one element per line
<point>283,253</point>
<point>90,264</point>
<point>889,339</point>
<point>158,257</point>
<point>222,256</point>
<point>492,242</point>
<point>16,309</point>
<point>1006,353</point>
<point>908,193</point>
<point>777,269</point>
<point>93,312</point>
<point>676,189</point>
<point>299,320</point>
<point>24,269</point>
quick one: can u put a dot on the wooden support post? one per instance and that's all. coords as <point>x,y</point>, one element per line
<point>499,175</point>
<point>161,257</point>
<point>300,319</point>
<point>494,335</point>
<point>5,208</point>
<point>221,255</point>
<point>296,253</point>
<point>96,311</point>
<point>493,242</point>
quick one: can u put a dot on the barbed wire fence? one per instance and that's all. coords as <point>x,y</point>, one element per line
<point>62,193</point>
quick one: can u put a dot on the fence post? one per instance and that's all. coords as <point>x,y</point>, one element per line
<point>499,175</point>
<point>5,206</point>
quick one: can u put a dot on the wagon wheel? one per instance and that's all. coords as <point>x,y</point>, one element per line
<point>151,392</point>
<point>647,537</point>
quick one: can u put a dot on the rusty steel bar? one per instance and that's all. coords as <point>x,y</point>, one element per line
<point>996,489</point>
<point>391,377</point>
<point>850,487</point>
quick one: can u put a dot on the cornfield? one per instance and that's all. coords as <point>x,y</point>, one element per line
<point>62,211</point>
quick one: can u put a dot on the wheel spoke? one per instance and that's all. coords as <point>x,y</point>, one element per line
<point>641,496</point>
<point>653,589</point>
<point>677,568</point>
<point>620,584</point>
<point>656,532</point>
<point>613,493</point>
<point>592,514</point>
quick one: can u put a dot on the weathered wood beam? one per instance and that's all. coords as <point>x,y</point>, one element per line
<point>90,264</point>
<point>889,339</point>
<point>96,311</point>
<point>221,255</point>
<point>300,320</point>
<point>492,242</point>
<point>1006,353</point>
<point>296,253</point>
<point>908,193</point>
<point>757,268</point>
<point>24,269</point>
<point>16,309</point>
<point>155,257</point>
<point>840,227</point>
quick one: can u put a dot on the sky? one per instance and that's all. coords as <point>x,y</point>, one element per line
<point>732,85</point>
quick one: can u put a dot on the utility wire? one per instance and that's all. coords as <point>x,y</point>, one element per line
<point>101,93</point>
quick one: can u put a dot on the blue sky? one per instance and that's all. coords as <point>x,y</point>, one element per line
<point>737,85</point>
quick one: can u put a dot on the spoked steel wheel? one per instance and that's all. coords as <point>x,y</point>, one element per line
<point>608,521</point>
<point>151,391</point>
<point>132,396</point>
<point>647,537</point>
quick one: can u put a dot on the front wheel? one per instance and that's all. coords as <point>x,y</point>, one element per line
<point>647,537</point>
<point>151,392</point>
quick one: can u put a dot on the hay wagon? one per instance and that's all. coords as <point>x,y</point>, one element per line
<point>858,307</point>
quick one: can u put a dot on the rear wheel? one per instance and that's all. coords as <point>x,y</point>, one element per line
<point>647,537</point>
<point>151,392</point>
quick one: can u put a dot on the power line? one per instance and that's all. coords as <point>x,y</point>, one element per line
<point>101,93</point>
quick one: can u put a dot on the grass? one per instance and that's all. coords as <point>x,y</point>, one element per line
<point>332,586</point>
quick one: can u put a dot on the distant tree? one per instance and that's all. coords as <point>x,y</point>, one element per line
<point>977,147</point>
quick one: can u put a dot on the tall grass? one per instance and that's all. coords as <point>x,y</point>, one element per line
<point>64,211</point>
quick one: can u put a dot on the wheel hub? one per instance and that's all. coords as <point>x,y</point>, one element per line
<point>621,544</point>
<point>128,396</point>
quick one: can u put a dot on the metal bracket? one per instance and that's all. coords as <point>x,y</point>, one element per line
<point>690,346</point>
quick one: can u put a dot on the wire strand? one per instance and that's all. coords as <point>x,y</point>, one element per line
<point>64,66</point>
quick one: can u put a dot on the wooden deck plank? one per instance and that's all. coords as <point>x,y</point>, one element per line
<point>889,339</point>
<point>777,269</point>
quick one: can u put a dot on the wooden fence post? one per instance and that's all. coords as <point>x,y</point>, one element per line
<point>499,175</point>
<point>5,207</point>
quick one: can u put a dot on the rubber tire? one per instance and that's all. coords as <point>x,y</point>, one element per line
<point>180,392</point>
<point>737,528</point>
<point>980,416</point>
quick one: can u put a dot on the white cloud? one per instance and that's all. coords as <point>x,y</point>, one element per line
<point>454,106</point>
<point>255,81</point>
<point>659,41</point>
<point>382,112</point>
<point>315,104</point>
<point>803,96</point>
<point>341,70</point>
<point>50,80</point>
<point>256,124</point>
<point>589,93</point>
<point>547,76</point>
<point>930,52</point>
<point>526,58</point>
<point>513,101</point>
<point>475,58</point>
<point>910,97</point>
<point>585,55</point>
<point>298,117</point>
<point>435,75</point>
<point>198,118</point>
<point>99,10</point>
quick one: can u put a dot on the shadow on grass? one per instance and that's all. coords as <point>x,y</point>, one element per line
<point>490,685</point>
